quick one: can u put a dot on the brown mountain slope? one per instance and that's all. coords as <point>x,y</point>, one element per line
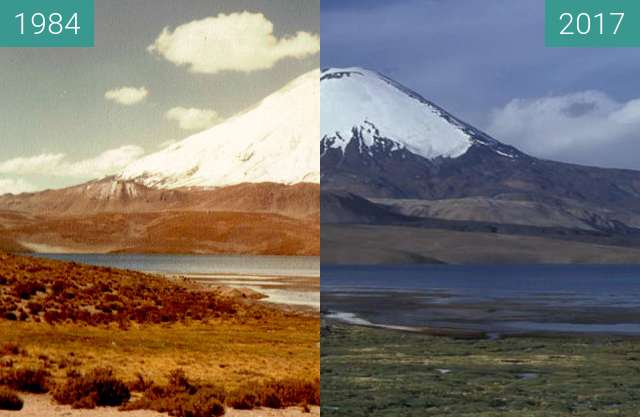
<point>170,232</point>
<point>119,216</point>
<point>112,195</point>
<point>370,245</point>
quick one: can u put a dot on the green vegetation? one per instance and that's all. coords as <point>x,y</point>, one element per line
<point>376,373</point>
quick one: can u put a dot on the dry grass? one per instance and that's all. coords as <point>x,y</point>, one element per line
<point>224,353</point>
<point>216,340</point>
<point>184,398</point>
<point>276,394</point>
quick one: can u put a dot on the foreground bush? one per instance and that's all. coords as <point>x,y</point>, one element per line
<point>11,349</point>
<point>205,403</point>
<point>9,400</point>
<point>276,394</point>
<point>55,292</point>
<point>182,398</point>
<point>98,388</point>
<point>26,380</point>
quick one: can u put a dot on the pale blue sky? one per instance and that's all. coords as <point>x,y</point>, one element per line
<point>52,100</point>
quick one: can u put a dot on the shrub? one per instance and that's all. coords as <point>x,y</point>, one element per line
<point>25,290</point>
<point>140,384</point>
<point>6,363</point>
<point>26,380</point>
<point>202,404</point>
<point>10,348</point>
<point>9,400</point>
<point>58,287</point>
<point>244,400</point>
<point>98,388</point>
<point>178,382</point>
<point>276,394</point>
<point>295,391</point>
<point>181,398</point>
<point>34,307</point>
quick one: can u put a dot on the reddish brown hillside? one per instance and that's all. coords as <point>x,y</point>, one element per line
<point>43,290</point>
<point>118,216</point>
<point>110,195</point>
<point>170,232</point>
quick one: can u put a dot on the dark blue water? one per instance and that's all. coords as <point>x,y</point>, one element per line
<point>510,299</point>
<point>294,266</point>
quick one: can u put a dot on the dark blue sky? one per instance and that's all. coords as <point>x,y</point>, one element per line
<point>485,61</point>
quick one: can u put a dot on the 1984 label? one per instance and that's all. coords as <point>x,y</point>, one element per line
<point>46,23</point>
<point>53,24</point>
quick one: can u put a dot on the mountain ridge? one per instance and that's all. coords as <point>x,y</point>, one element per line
<point>249,185</point>
<point>442,174</point>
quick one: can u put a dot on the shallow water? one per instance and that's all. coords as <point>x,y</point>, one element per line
<point>261,273</point>
<point>497,299</point>
<point>292,266</point>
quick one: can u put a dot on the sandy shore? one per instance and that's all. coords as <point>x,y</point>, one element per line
<point>42,406</point>
<point>301,292</point>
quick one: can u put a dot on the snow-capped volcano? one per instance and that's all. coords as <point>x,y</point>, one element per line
<point>276,141</point>
<point>380,139</point>
<point>384,116</point>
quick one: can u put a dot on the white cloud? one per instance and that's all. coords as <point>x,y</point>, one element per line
<point>565,124</point>
<point>107,163</point>
<point>44,163</point>
<point>127,96</point>
<point>15,186</point>
<point>193,119</point>
<point>235,42</point>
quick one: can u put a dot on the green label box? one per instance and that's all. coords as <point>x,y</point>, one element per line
<point>592,23</point>
<point>46,23</point>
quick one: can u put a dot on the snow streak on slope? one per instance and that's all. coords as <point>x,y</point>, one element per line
<point>363,103</point>
<point>276,141</point>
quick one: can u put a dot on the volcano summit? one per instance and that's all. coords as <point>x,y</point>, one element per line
<point>428,169</point>
<point>249,185</point>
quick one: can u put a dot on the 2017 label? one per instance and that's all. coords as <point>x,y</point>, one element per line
<point>582,23</point>
<point>592,23</point>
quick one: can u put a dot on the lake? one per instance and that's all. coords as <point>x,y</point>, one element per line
<point>283,279</point>
<point>493,299</point>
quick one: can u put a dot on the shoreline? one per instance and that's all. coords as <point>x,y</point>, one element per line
<point>292,292</point>
<point>469,334</point>
<point>437,314</point>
